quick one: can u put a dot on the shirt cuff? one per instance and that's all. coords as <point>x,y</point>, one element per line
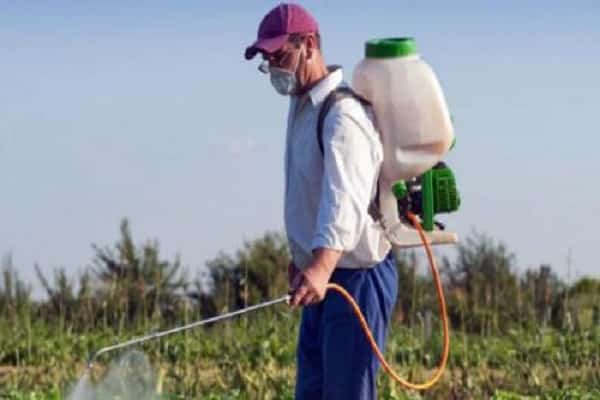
<point>322,240</point>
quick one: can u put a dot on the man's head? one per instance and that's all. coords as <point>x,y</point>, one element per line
<point>289,42</point>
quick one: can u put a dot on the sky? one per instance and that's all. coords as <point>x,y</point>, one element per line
<point>115,109</point>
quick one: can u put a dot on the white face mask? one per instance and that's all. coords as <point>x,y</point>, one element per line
<point>284,81</point>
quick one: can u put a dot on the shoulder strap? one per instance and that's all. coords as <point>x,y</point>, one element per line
<point>336,94</point>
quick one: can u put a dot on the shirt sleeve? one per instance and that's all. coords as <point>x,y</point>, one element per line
<point>351,165</point>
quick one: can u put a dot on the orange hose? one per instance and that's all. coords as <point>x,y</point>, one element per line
<point>442,302</point>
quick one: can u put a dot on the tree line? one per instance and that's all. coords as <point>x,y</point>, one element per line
<point>130,285</point>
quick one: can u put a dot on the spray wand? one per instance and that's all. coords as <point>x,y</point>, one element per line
<point>207,321</point>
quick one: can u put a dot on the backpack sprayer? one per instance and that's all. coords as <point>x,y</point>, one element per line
<point>414,184</point>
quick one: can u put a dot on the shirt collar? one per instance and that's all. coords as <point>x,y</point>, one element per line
<point>318,93</point>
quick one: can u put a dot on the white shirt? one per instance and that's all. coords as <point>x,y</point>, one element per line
<point>327,195</point>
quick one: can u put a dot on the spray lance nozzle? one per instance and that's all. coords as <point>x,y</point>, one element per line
<point>90,361</point>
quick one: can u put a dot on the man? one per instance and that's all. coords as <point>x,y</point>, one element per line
<point>331,235</point>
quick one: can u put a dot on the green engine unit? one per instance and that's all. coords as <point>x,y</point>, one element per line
<point>434,192</point>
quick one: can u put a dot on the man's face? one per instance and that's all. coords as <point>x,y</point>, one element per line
<point>285,58</point>
<point>293,57</point>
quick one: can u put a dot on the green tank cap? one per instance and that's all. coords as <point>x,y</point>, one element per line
<point>390,47</point>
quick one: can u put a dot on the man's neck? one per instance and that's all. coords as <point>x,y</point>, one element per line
<point>315,76</point>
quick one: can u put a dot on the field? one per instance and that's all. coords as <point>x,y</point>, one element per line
<point>524,335</point>
<point>253,358</point>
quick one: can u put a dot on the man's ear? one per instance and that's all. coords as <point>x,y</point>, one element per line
<point>311,48</point>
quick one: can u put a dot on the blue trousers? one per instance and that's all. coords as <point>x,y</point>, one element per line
<point>334,358</point>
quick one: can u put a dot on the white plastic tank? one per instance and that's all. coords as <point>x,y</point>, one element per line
<point>409,106</point>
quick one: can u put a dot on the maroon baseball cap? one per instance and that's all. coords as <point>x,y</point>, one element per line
<point>276,27</point>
